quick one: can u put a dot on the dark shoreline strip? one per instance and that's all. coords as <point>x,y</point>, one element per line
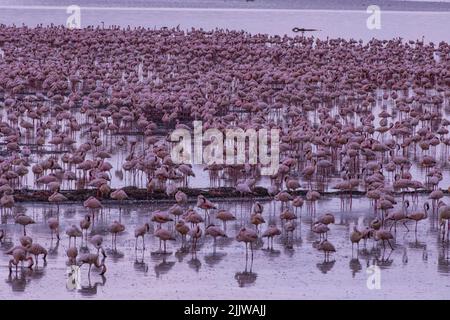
<point>136,194</point>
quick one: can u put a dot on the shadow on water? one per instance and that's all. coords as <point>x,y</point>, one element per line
<point>83,249</point>
<point>384,261</point>
<point>326,266</point>
<point>115,254</point>
<point>355,266</point>
<point>443,260</point>
<point>272,253</point>
<point>163,267</point>
<point>53,248</point>
<point>195,263</point>
<point>139,264</point>
<point>245,278</point>
<point>6,245</point>
<point>181,253</point>
<point>69,213</point>
<point>19,280</point>
<point>38,272</point>
<point>214,258</point>
<point>133,264</point>
<point>417,245</point>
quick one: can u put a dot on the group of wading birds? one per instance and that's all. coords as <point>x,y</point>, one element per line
<point>361,114</point>
<point>188,223</point>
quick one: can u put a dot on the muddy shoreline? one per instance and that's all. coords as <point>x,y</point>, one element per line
<point>139,194</point>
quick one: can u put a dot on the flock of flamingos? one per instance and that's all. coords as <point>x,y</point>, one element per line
<point>356,119</point>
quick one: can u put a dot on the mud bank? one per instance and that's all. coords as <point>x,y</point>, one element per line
<point>139,194</point>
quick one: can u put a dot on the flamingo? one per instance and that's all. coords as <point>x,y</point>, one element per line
<point>399,216</point>
<point>73,232</point>
<point>160,217</point>
<point>85,224</point>
<point>327,247</point>
<point>25,241</point>
<point>19,255</point>
<point>321,229</point>
<point>444,214</point>
<point>24,221</point>
<point>164,235</point>
<point>115,228</point>
<point>93,205</point>
<point>195,233</point>
<point>290,227</point>
<point>57,197</point>
<point>355,237</point>
<point>182,229</point>
<point>384,236</point>
<point>214,231</point>
<point>140,232</point>
<point>72,254</point>
<point>225,216</point>
<point>256,219</point>
<point>92,259</point>
<point>287,215</point>
<point>181,198</point>
<point>270,233</point>
<point>97,242</point>
<point>420,215</point>
<point>53,224</point>
<point>120,196</point>
<point>36,250</point>
<point>326,219</point>
<point>249,237</point>
<point>206,205</point>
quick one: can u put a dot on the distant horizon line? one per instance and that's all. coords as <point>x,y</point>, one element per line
<point>256,10</point>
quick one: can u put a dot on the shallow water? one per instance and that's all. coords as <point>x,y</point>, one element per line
<point>329,19</point>
<point>332,23</point>
<point>418,268</point>
<point>120,178</point>
<point>347,24</point>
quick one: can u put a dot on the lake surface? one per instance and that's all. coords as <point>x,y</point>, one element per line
<point>418,268</point>
<point>333,23</point>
